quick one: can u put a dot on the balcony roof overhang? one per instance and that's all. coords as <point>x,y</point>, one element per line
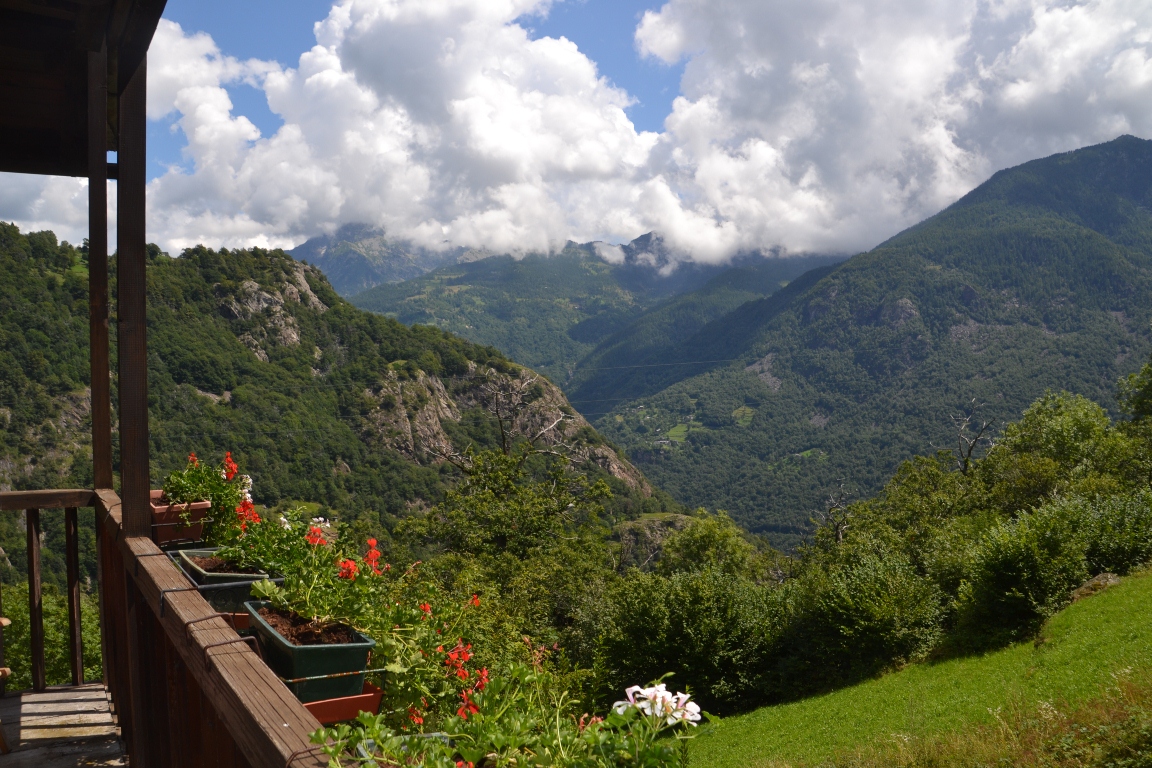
<point>44,46</point>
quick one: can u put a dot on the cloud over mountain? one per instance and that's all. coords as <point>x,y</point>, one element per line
<point>806,124</point>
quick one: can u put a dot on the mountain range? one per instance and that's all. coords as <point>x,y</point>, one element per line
<point>552,311</point>
<point>733,393</point>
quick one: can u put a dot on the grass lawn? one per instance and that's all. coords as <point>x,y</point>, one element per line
<point>1081,648</point>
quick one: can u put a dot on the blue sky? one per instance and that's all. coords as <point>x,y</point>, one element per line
<point>281,30</point>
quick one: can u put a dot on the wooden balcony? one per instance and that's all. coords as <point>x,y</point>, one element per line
<point>179,687</point>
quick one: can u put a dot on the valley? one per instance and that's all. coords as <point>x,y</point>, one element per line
<point>734,394</point>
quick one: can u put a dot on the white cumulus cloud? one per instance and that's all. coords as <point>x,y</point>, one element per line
<point>809,125</point>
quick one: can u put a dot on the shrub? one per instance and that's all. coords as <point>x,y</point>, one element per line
<point>1118,533</point>
<point>847,621</point>
<point>1022,572</point>
<point>713,631</point>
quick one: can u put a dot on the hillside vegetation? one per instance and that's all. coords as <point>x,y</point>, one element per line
<point>253,352</point>
<point>1082,653</point>
<point>549,312</point>
<point>1040,278</point>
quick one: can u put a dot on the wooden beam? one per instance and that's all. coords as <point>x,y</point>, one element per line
<point>98,266</point>
<point>12,501</point>
<point>72,556</point>
<point>131,305</point>
<point>35,601</point>
<point>267,723</point>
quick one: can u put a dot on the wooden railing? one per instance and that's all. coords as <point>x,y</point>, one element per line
<point>185,689</point>
<point>32,502</point>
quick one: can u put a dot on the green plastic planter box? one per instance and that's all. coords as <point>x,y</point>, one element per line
<point>227,599</point>
<point>295,661</point>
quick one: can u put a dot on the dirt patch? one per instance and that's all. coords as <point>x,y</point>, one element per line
<point>301,631</point>
<point>216,565</point>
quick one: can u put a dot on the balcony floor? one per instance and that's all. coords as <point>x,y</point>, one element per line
<point>62,726</point>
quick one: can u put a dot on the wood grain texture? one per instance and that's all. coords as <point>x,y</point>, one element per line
<point>98,266</point>
<point>14,501</point>
<point>61,726</point>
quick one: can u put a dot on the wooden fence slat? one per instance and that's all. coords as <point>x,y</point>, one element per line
<point>72,555</point>
<point>35,601</point>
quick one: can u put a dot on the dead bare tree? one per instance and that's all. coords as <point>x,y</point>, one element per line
<point>836,513</point>
<point>970,435</point>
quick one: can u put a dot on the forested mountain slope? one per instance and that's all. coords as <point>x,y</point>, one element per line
<point>549,311</point>
<point>1040,278</point>
<point>253,352</point>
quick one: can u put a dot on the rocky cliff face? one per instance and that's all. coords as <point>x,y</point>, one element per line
<point>406,411</point>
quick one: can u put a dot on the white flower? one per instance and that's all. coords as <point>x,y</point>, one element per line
<point>284,522</point>
<point>658,701</point>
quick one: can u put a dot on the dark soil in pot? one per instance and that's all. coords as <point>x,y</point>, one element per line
<point>301,631</point>
<point>217,565</point>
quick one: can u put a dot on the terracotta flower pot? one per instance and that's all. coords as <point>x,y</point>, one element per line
<point>329,711</point>
<point>168,523</point>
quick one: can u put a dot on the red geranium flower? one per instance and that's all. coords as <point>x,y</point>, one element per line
<point>193,460</point>
<point>475,601</point>
<point>467,708</point>
<point>316,536</point>
<point>230,467</point>
<point>348,569</point>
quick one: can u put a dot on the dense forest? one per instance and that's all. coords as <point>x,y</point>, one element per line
<point>253,352</point>
<point>1038,279</point>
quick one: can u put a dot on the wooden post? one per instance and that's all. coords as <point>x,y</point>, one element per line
<point>72,555</point>
<point>131,304</point>
<point>35,601</point>
<point>98,265</point>
<point>132,319</point>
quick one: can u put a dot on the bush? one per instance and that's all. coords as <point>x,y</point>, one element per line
<point>847,621</point>
<point>57,661</point>
<point>713,631</point>
<point>1118,533</point>
<point>1023,571</point>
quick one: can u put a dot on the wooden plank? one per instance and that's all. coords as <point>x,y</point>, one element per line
<point>61,726</point>
<point>98,266</point>
<point>131,307</point>
<point>13,501</point>
<point>35,600</point>
<point>72,555</point>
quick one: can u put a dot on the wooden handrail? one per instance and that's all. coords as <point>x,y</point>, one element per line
<point>31,502</point>
<point>174,676</point>
<point>266,722</point>
<point>14,501</point>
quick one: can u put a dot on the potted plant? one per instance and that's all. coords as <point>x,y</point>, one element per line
<point>181,506</point>
<point>247,545</point>
<point>304,626</point>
